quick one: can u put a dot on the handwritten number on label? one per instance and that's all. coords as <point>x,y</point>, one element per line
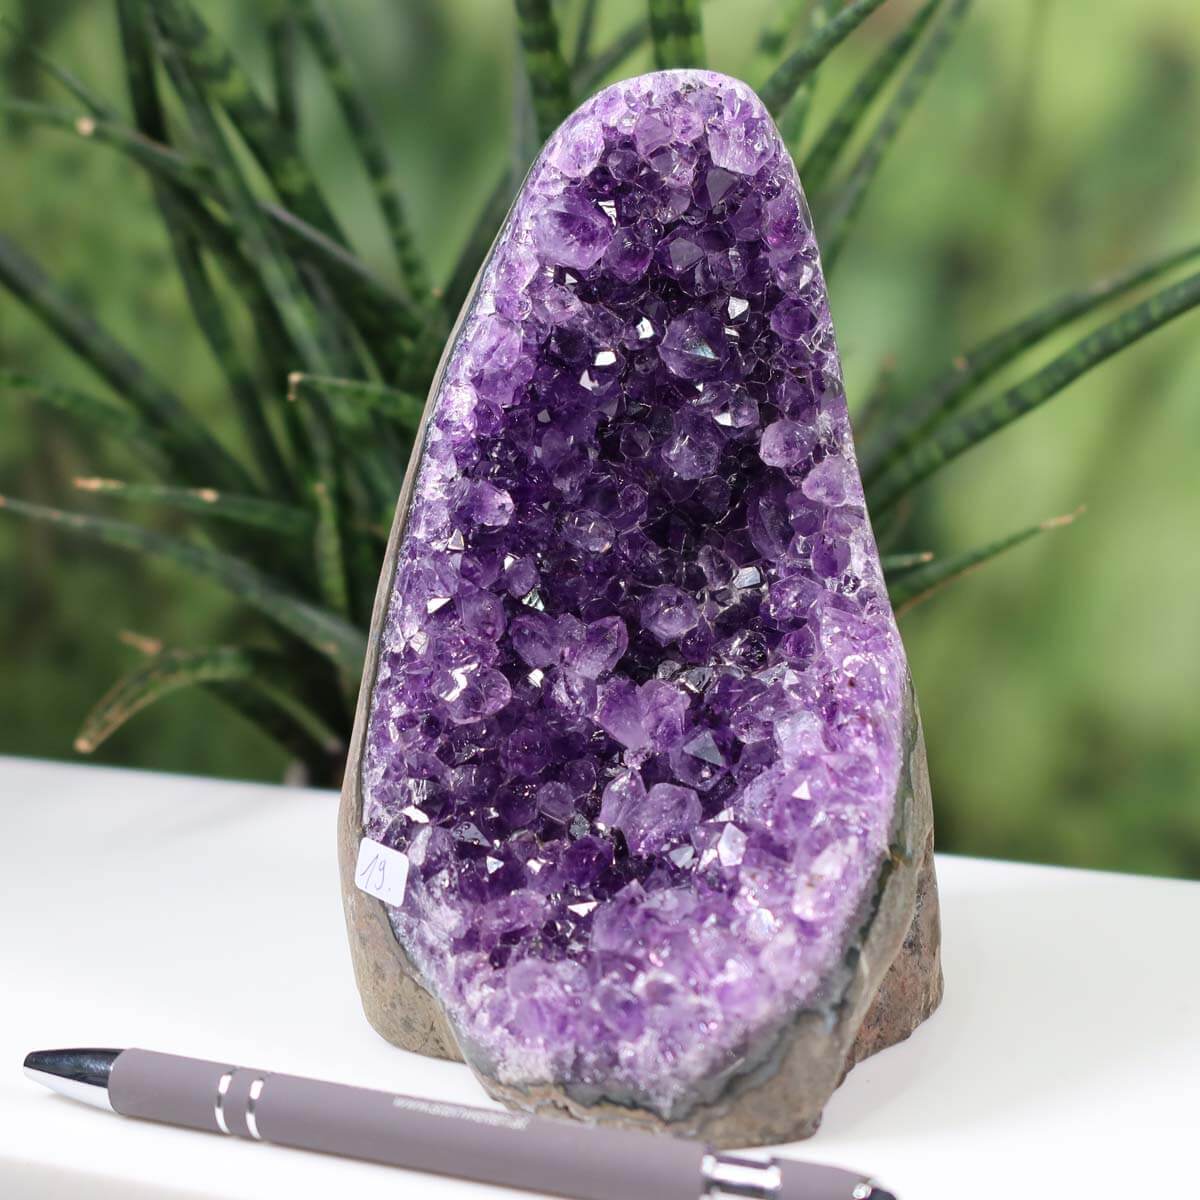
<point>373,876</point>
<point>381,872</point>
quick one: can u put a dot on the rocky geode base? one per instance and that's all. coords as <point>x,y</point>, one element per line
<point>776,1091</point>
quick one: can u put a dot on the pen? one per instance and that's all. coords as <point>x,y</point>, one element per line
<point>485,1145</point>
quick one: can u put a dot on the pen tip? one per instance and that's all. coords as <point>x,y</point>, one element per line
<point>81,1074</point>
<point>88,1065</point>
<point>45,1062</point>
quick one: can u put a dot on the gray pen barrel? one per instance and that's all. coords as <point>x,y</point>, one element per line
<point>490,1146</point>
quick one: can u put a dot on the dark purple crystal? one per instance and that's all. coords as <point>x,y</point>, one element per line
<point>637,722</point>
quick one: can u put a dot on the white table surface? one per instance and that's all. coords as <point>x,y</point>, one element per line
<point>204,918</point>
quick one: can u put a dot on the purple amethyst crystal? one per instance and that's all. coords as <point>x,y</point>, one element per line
<point>638,719</point>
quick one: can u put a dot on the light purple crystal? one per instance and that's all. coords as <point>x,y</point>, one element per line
<point>489,505</point>
<point>695,345</point>
<point>619,713</point>
<point>637,719</point>
<point>742,139</point>
<point>786,443</point>
<point>571,231</point>
<point>556,801</point>
<point>597,648</point>
<point>730,406</point>
<point>535,639</point>
<point>664,817</point>
<point>694,448</point>
<point>669,612</point>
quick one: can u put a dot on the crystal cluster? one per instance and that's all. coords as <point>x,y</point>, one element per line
<point>637,719</point>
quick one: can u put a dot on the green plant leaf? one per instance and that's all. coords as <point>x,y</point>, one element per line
<point>277,271</point>
<point>293,724</point>
<point>549,79</point>
<point>583,33</point>
<point>328,634</point>
<point>284,519</point>
<point>197,455</point>
<point>210,318</point>
<point>479,242</point>
<point>894,564</point>
<point>976,425</point>
<point>935,402</point>
<point>237,675</point>
<point>206,307</point>
<point>783,20</point>
<point>165,672</point>
<point>376,307</point>
<point>914,586</point>
<point>223,83</point>
<point>342,266</point>
<point>275,355</point>
<point>133,20</point>
<point>591,74</point>
<point>848,197</point>
<point>66,79</point>
<point>793,118</point>
<point>524,140</point>
<point>676,33</point>
<point>325,488</point>
<point>323,36</point>
<point>351,404</point>
<point>821,159</point>
<point>328,550</point>
<point>152,155</point>
<point>96,412</point>
<point>876,404</point>
<point>889,526</point>
<point>281,47</point>
<point>351,399</point>
<point>784,81</point>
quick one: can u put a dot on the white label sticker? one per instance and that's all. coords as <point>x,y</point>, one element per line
<point>381,872</point>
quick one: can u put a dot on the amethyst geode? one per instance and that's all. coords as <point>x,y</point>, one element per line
<point>637,710</point>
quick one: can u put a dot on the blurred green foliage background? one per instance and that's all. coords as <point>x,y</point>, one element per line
<point>1060,687</point>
